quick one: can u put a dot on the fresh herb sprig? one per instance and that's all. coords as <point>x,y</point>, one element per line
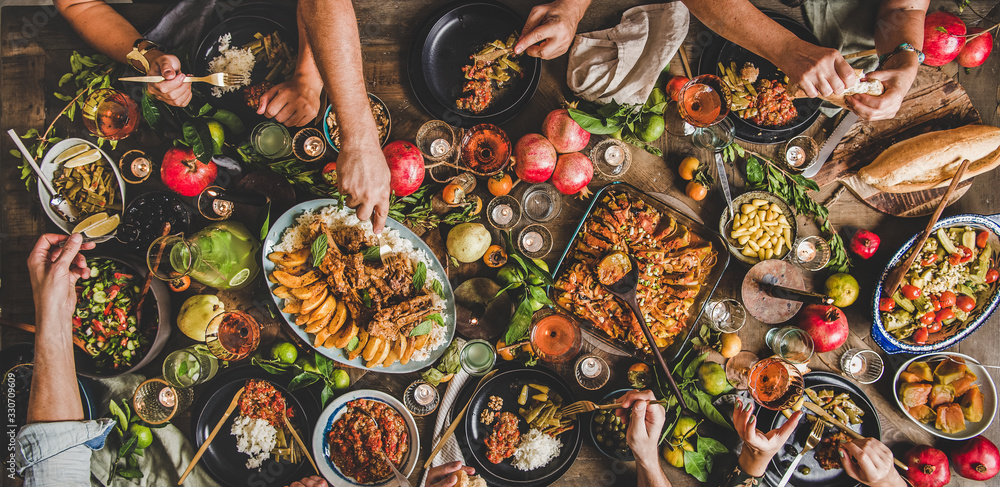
<point>415,210</point>
<point>614,118</point>
<point>764,174</point>
<point>528,292</point>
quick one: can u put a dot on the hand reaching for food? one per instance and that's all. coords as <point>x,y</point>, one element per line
<point>363,176</point>
<point>645,421</point>
<point>550,28</point>
<point>450,475</point>
<point>294,102</point>
<point>54,266</point>
<point>869,461</point>
<point>314,481</point>
<point>896,78</point>
<point>818,71</point>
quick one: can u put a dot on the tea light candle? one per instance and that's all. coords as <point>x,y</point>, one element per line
<point>424,394</point>
<point>856,365</point>
<point>314,146</point>
<point>502,214</point>
<point>440,147</point>
<point>140,167</point>
<point>795,156</point>
<point>806,251</point>
<point>532,241</point>
<point>590,367</point>
<point>614,155</point>
<point>167,397</point>
<point>222,208</point>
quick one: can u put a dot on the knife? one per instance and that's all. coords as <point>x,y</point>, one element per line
<point>831,143</point>
<point>720,167</point>
<point>769,284</point>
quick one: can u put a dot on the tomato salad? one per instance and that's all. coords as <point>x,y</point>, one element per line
<point>105,317</point>
<point>355,442</point>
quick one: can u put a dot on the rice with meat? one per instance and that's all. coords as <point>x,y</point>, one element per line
<point>536,450</point>
<point>255,437</point>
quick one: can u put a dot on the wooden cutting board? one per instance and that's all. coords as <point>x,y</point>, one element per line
<point>935,102</point>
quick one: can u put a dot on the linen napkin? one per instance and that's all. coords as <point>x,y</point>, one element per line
<point>450,452</point>
<point>622,63</point>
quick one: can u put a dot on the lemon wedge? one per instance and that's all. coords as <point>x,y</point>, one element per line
<point>71,153</point>
<point>98,225</point>
<point>89,221</point>
<point>88,157</point>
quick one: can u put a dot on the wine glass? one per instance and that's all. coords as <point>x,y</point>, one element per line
<point>704,102</point>
<point>232,335</point>
<point>773,382</point>
<point>110,114</point>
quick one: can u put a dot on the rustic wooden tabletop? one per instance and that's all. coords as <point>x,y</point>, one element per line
<point>35,45</point>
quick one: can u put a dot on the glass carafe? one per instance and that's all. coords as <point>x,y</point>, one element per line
<point>221,255</point>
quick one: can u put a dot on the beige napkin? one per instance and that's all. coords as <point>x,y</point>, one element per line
<point>623,62</point>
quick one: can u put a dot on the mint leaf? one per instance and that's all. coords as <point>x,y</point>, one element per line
<point>373,253</point>
<point>419,276</point>
<point>438,288</point>
<point>318,249</point>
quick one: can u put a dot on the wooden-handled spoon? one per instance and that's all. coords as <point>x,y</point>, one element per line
<point>895,277</point>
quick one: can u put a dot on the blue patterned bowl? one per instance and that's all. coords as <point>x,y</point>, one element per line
<point>978,316</point>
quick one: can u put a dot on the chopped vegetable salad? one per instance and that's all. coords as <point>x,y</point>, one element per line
<point>105,316</point>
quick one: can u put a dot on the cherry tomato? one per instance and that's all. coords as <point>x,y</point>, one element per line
<point>929,260</point>
<point>935,303</point>
<point>886,304</point>
<point>944,315</point>
<point>935,327</point>
<point>920,336</point>
<point>927,318</point>
<point>992,275</point>
<point>910,291</point>
<point>947,299</point>
<point>965,303</point>
<point>981,239</point>
<point>964,254</point>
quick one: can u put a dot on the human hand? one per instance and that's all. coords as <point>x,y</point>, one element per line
<point>444,475</point>
<point>758,448</point>
<point>314,481</point>
<point>363,176</point>
<point>818,71</point>
<point>644,425</point>
<point>53,271</point>
<point>172,90</point>
<point>294,102</point>
<point>550,28</point>
<point>869,461</point>
<point>896,77</point>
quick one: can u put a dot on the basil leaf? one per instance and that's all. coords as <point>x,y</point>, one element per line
<point>421,329</point>
<point>755,173</point>
<point>419,276</point>
<point>436,318</point>
<point>373,253</point>
<point>318,249</point>
<point>302,380</point>
<point>353,344</point>
<point>696,465</point>
<point>267,222</point>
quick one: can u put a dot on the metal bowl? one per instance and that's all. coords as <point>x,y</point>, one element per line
<point>947,337</point>
<point>328,131</point>
<point>725,223</point>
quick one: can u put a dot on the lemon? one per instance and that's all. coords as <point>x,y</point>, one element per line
<point>91,156</point>
<point>71,153</point>
<point>239,278</point>
<point>87,222</point>
<point>98,225</point>
<point>675,457</point>
<point>685,427</point>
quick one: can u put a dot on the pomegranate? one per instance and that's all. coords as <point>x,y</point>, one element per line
<point>976,459</point>
<point>864,243</point>
<point>565,134</point>
<point>826,325</point>
<point>573,173</point>
<point>534,158</point>
<point>406,167</point>
<point>928,467</point>
<point>976,49</point>
<point>183,173</point>
<point>943,39</point>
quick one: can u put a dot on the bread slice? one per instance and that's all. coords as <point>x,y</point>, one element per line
<point>930,160</point>
<point>464,480</point>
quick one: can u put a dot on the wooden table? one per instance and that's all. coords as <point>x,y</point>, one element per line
<point>35,44</point>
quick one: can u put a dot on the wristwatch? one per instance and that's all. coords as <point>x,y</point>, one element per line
<point>139,55</point>
<point>906,46</point>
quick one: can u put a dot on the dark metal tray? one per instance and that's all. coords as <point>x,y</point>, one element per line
<point>711,282</point>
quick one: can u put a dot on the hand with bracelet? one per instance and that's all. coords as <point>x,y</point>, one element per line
<point>896,74</point>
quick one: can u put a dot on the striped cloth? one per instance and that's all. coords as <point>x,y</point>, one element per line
<point>451,451</point>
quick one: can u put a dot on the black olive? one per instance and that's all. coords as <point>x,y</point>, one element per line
<point>791,450</point>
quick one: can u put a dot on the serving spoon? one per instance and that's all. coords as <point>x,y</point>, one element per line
<point>57,201</point>
<point>618,274</point>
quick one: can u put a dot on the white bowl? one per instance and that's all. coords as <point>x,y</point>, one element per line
<point>49,167</point>
<point>983,380</point>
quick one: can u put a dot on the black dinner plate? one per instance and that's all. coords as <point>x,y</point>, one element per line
<point>721,50</point>
<point>242,27</point>
<point>507,384</point>
<point>869,427</point>
<point>445,43</point>
<point>227,465</point>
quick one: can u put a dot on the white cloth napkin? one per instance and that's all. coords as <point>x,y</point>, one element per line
<point>623,62</point>
<point>450,452</point>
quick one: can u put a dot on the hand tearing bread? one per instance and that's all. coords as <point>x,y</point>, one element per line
<point>930,160</point>
<point>464,480</point>
<point>871,87</point>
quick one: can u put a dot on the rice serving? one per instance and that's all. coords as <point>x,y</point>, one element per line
<point>536,450</point>
<point>299,236</point>
<point>232,61</point>
<point>255,437</point>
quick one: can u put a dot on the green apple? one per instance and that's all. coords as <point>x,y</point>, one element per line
<point>195,314</point>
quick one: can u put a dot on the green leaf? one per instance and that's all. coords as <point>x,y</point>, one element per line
<point>709,411</point>
<point>150,110</point>
<point>755,173</point>
<point>197,135</point>
<point>267,221</point>
<point>421,329</point>
<point>327,395</point>
<point>519,323</point>
<point>711,447</point>
<point>130,473</point>
<point>324,365</point>
<point>204,109</point>
<point>318,249</point>
<point>270,369</point>
<point>71,112</point>
<point>65,79</point>
<point>438,288</point>
<point>128,447</point>
<point>658,108</point>
<point>302,380</point>
<point>696,465</point>
<point>366,299</point>
<point>62,96</point>
<point>372,254</point>
<point>182,368</point>
<point>692,368</point>
<point>593,124</point>
<point>119,415</point>
<point>353,344</point>
<point>419,276</point>
<point>538,295</point>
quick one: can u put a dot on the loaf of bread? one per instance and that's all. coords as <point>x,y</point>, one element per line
<point>930,160</point>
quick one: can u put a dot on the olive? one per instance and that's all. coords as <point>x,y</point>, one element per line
<point>791,450</point>
<point>804,470</point>
<point>785,464</point>
<point>610,445</point>
<point>622,452</point>
<point>599,418</point>
<point>621,436</point>
<point>599,437</point>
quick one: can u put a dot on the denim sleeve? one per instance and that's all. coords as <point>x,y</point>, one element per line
<point>58,453</point>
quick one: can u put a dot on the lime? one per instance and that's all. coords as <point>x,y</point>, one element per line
<point>510,273</point>
<point>218,135</point>
<point>143,436</point>
<point>652,128</point>
<point>284,352</point>
<point>239,278</point>
<point>843,288</point>
<point>230,120</point>
<point>712,378</point>
<point>617,134</point>
<point>340,379</point>
<point>71,153</point>
<point>306,364</point>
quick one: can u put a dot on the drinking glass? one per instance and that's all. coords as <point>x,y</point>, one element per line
<point>862,365</point>
<point>715,137</point>
<point>541,202</point>
<point>190,366</point>
<point>232,335</point>
<point>725,315</point>
<point>477,357</point>
<point>156,401</point>
<point>271,140</point>
<point>704,100</point>
<point>535,241</point>
<point>503,212</point>
<point>790,343</point>
<point>110,114</point>
<point>811,253</point>
<point>774,383</point>
<point>554,336</point>
<point>486,149</point>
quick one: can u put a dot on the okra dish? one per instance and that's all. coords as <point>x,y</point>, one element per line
<point>105,317</point>
<point>953,274</point>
